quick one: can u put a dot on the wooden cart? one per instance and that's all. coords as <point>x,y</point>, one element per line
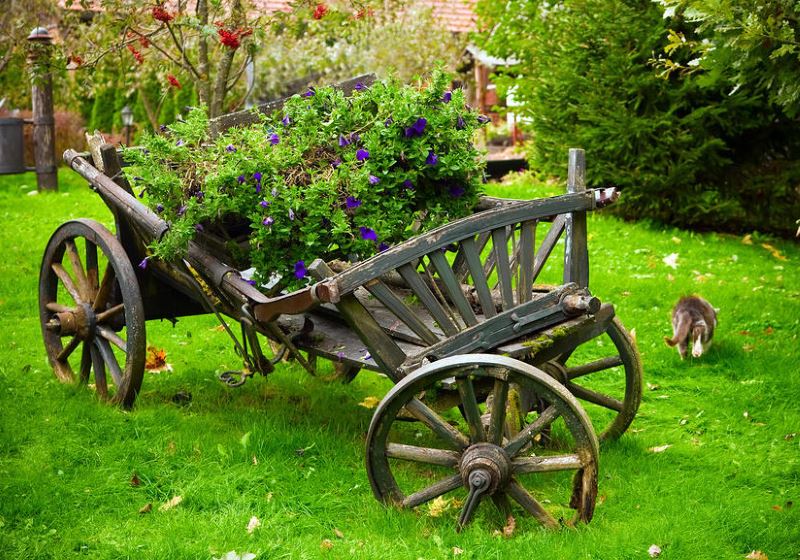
<point>490,369</point>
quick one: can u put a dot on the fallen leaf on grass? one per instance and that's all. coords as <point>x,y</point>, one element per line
<point>747,239</point>
<point>457,551</point>
<point>135,480</point>
<point>511,524</point>
<point>774,251</point>
<point>233,555</point>
<point>660,448</point>
<point>338,533</point>
<point>253,524</point>
<point>369,402</point>
<point>147,508</point>
<point>756,555</point>
<point>676,239</point>
<point>654,551</point>
<point>671,260</point>
<point>326,544</point>
<point>653,386</point>
<point>439,505</point>
<point>171,504</point>
<point>156,360</point>
<point>789,437</point>
<point>777,508</point>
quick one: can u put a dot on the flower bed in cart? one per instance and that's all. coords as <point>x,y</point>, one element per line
<point>328,176</point>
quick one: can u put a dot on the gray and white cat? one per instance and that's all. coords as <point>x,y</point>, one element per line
<point>693,323</point>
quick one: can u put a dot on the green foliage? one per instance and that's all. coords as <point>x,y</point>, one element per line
<point>585,78</point>
<point>103,110</point>
<point>330,176</point>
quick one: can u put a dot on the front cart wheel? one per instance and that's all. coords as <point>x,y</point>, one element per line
<point>469,449</point>
<point>91,311</point>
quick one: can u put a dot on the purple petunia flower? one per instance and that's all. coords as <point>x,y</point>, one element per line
<point>343,141</point>
<point>263,204</point>
<point>182,210</point>
<point>300,269</point>
<point>162,127</point>
<point>291,214</point>
<point>368,234</point>
<point>362,154</point>
<point>257,176</point>
<point>355,138</point>
<point>340,355</point>
<point>336,163</point>
<point>198,228</point>
<point>286,120</point>
<point>179,142</point>
<point>352,202</point>
<point>408,184</point>
<point>274,139</point>
<point>258,187</point>
<point>460,124</point>
<point>274,192</point>
<point>457,191</point>
<point>373,180</point>
<point>251,282</point>
<point>417,128</point>
<point>432,158</point>
<point>360,86</point>
<point>448,95</point>
<point>159,208</point>
<point>483,119</point>
<point>268,221</point>
<point>310,93</point>
<point>382,247</point>
<point>230,148</point>
<point>388,122</point>
<point>241,179</point>
<point>143,264</point>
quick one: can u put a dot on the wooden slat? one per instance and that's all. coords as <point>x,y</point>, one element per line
<point>472,258</point>
<point>576,254</point>
<point>453,287</point>
<point>527,237</point>
<point>394,304</point>
<point>426,297</point>
<point>500,246</point>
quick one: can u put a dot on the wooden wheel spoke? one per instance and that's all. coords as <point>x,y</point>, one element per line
<point>112,337</point>
<point>99,371</point>
<point>502,504</point>
<point>595,397</point>
<point>429,455</point>
<point>472,413</point>
<point>66,280</point>
<point>531,504</point>
<point>77,270</point>
<point>68,349</point>
<point>92,272</point>
<point>594,367</point>
<point>106,285</point>
<point>109,359</point>
<point>522,465</point>
<point>498,417</point>
<point>437,424</point>
<point>433,491</point>
<point>547,417</point>
<point>86,363</point>
<point>56,307</point>
<point>110,312</point>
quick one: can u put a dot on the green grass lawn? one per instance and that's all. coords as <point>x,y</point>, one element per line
<point>290,450</point>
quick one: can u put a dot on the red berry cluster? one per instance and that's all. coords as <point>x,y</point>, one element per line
<point>231,37</point>
<point>160,14</point>
<point>320,11</point>
<point>136,54</point>
<point>173,81</point>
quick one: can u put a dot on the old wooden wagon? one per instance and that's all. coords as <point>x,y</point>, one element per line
<point>492,368</point>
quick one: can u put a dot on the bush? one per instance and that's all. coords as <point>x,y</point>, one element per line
<point>676,145</point>
<point>329,176</point>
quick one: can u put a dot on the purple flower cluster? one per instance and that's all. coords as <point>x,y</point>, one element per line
<point>373,180</point>
<point>368,234</point>
<point>274,139</point>
<point>300,270</point>
<point>352,202</point>
<point>432,158</point>
<point>362,154</point>
<point>230,148</point>
<point>417,128</point>
<point>447,97</point>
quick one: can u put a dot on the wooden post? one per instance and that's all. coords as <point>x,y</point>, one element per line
<point>44,138</point>
<point>576,254</point>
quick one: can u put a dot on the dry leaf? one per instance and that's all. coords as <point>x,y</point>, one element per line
<point>156,360</point>
<point>510,526</point>
<point>756,555</point>
<point>135,480</point>
<point>774,251</point>
<point>660,448</point>
<point>653,386</point>
<point>326,544</point>
<point>439,505</point>
<point>255,460</point>
<point>789,437</point>
<point>676,239</point>
<point>747,239</point>
<point>369,402</point>
<point>777,508</point>
<point>338,533</point>
<point>654,551</point>
<point>171,504</point>
<point>253,524</point>
<point>457,551</point>
<point>671,260</point>
<point>147,508</point>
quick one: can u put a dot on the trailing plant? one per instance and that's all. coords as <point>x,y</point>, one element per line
<point>328,176</point>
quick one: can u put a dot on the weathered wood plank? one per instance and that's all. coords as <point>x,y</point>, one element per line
<point>426,297</point>
<point>576,254</point>
<point>453,287</point>
<point>431,456</point>
<point>500,246</point>
<point>479,281</point>
<point>527,237</point>
<point>403,312</point>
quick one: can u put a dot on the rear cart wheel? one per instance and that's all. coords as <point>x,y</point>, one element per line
<point>91,311</point>
<point>472,452</point>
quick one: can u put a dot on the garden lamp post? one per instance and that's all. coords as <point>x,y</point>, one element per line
<point>127,122</point>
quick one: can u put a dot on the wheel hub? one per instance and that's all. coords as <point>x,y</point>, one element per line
<point>485,465</point>
<point>80,321</point>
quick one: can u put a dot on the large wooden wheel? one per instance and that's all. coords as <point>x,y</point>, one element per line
<point>91,311</point>
<point>605,375</point>
<point>411,463</point>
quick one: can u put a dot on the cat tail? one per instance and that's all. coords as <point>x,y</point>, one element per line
<point>681,332</point>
